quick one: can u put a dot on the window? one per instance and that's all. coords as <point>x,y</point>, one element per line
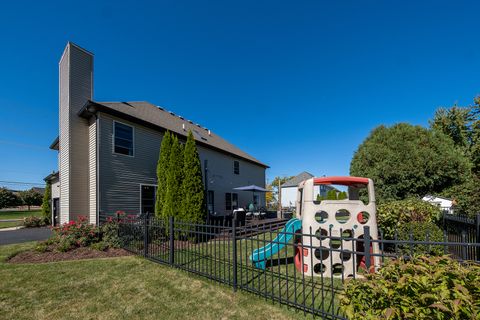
<point>231,201</point>
<point>147,198</point>
<point>236,167</point>
<point>211,201</point>
<point>228,201</point>
<point>122,139</point>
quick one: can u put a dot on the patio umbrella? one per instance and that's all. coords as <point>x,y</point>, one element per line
<point>252,188</point>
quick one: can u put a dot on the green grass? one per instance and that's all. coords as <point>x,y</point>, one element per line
<point>16,215</point>
<point>121,288</point>
<point>279,280</point>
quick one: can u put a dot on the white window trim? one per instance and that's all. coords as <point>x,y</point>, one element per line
<point>140,185</point>
<point>133,139</point>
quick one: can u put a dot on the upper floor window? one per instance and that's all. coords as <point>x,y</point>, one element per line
<point>236,167</point>
<point>122,138</point>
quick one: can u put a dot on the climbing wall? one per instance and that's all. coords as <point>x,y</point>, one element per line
<point>335,218</point>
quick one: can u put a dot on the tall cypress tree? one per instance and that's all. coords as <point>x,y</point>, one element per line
<point>173,195</point>
<point>46,204</point>
<point>193,197</point>
<point>162,169</point>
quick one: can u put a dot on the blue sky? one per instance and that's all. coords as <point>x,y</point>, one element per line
<point>298,84</point>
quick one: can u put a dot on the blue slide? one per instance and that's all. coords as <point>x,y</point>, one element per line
<point>260,256</point>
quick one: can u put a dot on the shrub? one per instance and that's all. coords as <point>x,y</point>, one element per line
<point>41,247</point>
<point>393,214</point>
<point>100,246</point>
<point>421,231</point>
<point>76,234</point>
<point>109,231</point>
<point>33,222</point>
<point>422,288</point>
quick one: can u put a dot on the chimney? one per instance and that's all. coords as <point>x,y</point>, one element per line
<point>76,87</point>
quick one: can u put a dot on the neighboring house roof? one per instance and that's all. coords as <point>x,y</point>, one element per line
<point>158,118</point>
<point>297,179</point>
<point>51,176</point>
<point>54,145</point>
<point>433,197</point>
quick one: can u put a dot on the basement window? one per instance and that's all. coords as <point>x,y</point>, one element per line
<point>122,139</point>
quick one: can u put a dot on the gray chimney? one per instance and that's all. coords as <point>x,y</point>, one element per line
<point>76,87</point>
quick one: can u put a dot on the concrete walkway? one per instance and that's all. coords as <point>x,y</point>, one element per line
<point>24,235</point>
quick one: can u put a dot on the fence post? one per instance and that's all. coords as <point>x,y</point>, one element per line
<point>145,234</point>
<point>234,239</point>
<point>366,245</point>
<point>171,256</point>
<point>477,228</point>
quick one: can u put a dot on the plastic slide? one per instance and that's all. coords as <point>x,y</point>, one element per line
<point>260,256</point>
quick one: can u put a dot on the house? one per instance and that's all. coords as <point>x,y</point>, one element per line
<point>288,190</point>
<point>108,152</point>
<point>445,204</point>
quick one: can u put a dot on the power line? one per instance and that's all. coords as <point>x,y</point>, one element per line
<point>24,183</point>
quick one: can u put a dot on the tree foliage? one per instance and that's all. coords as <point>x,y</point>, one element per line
<point>462,125</point>
<point>394,214</point>
<point>8,198</point>
<point>31,198</point>
<point>193,195</point>
<point>47,203</point>
<point>407,161</point>
<point>173,194</point>
<point>162,169</point>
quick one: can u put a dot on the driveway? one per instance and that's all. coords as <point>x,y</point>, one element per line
<point>24,235</point>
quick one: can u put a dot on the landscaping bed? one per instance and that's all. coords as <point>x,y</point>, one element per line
<point>33,256</point>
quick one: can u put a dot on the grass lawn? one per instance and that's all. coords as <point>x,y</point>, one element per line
<point>16,215</point>
<point>120,288</point>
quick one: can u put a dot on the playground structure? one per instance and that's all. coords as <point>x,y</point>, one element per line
<point>328,231</point>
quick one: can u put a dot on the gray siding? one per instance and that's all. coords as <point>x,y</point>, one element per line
<point>221,178</point>
<point>120,176</point>
<point>76,86</point>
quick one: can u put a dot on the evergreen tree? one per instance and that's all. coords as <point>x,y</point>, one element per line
<point>46,204</point>
<point>162,169</point>
<point>173,194</point>
<point>332,195</point>
<point>193,196</point>
<point>342,195</point>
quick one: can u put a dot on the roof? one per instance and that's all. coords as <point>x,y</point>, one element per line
<point>297,179</point>
<point>51,176</point>
<point>54,145</point>
<point>433,197</point>
<point>150,115</point>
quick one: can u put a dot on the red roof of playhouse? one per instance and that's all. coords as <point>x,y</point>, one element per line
<point>343,181</point>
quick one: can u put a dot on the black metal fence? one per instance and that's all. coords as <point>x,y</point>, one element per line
<point>222,252</point>
<point>461,228</point>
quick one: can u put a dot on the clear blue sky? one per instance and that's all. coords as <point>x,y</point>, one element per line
<point>298,84</point>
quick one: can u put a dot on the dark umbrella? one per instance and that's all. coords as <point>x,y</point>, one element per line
<point>252,188</point>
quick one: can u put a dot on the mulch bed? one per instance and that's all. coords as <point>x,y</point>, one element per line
<point>32,256</point>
